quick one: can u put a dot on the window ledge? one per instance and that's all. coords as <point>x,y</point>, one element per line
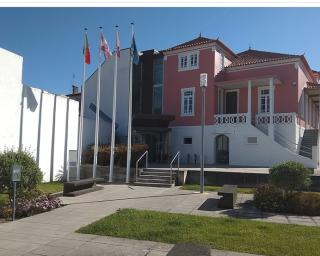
<point>188,68</point>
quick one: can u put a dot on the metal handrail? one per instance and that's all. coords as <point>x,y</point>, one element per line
<point>304,149</point>
<point>172,161</point>
<point>146,153</point>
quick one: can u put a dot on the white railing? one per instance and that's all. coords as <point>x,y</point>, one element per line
<point>277,118</point>
<point>177,156</point>
<point>239,118</point>
<point>146,153</point>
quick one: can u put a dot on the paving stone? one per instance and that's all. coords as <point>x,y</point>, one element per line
<point>47,250</point>
<point>188,249</point>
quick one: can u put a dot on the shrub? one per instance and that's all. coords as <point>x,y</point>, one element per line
<point>268,198</point>
<point>290,176</point>
<point>120,156</point>
<point>31,174</point>
<point>304,203</point>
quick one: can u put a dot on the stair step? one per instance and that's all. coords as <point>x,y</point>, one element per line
<point>157,170</point>
<point>155,173</point>
<point>151,176</point>
<point>153,180</point>
<point>164,185</point>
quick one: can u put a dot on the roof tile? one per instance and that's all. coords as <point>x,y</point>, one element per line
<point>194,42</point>
<point>250,57</point>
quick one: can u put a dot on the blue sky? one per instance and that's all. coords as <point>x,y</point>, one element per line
<point>51,39</point>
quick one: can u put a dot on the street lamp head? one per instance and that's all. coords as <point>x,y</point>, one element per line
<point>203,80</point>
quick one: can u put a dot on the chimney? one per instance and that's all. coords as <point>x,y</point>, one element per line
<point>75,89</point>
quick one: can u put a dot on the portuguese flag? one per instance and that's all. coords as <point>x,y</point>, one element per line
<point>86,50</point>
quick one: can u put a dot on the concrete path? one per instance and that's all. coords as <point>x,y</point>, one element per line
<point>52,233</point>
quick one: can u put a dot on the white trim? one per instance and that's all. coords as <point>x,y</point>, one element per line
<point>183,90</point>
<point>225,100</point>
<point>220,101</point>
<point>259,98</point>
<point>188,55</point>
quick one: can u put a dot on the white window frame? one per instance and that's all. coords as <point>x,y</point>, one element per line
<point>225,99</point>
<point>183,90</point>
<point>259,99</point>
<point>188,56</point>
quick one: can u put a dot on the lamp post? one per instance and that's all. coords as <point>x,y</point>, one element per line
<point>203,85</point>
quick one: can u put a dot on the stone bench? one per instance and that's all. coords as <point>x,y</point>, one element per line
<point>229,196</point>
<point>74,187</point>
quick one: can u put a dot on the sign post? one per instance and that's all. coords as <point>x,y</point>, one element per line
<point>15,177</point>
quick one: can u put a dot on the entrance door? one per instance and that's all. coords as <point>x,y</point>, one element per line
<point>222,149</point>
<point>232,102</point>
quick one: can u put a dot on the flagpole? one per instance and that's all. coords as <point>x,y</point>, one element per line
<point>96,137</point>
<point>114,107</point>
<point>80,129</point>
<point>129,114</point>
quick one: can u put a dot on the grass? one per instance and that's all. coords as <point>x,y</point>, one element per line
<point>215,188</point>
<point>220,233</point>
<point>4,199</point>
<point>51,187</point>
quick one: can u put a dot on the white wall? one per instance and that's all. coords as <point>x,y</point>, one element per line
<point>56,136</point>
<point>26,128</point>
<point>265,153</point>
<point>10,98</point>
<point>107,74</point>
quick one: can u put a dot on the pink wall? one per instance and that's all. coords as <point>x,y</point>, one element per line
<point>286,94</point>
<point>174,81</point>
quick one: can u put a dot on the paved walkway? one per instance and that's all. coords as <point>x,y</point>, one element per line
<point>52,233</point>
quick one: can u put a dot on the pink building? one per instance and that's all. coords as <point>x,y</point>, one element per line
<point>262,108</point>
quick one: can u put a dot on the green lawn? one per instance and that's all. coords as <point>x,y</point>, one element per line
<point>51,187</point>
<point>3,199</point>
<point>220,233</point>
<point>215,188</point>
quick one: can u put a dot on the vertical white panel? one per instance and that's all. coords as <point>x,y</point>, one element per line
<point>46,135</point>
<point>73,125</point>
<point>59,138</point>
<point>30,119</point>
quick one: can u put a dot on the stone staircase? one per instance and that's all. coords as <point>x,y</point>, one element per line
<point>309,139</point>
<point>154,178</point>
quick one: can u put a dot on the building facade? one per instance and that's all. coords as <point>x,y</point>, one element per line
<point>262,108</point>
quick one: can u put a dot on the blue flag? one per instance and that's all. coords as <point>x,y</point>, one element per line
<point>134,52</point>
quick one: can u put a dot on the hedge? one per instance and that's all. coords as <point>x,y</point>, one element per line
<point>120,156</point>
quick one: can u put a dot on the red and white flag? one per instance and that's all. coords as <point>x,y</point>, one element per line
<point>86,50</point>
<point>118,44</point>
<point>104,47</point>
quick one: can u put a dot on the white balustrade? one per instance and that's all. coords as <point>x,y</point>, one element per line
<point>240,118</point>
<point>278,118</point>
